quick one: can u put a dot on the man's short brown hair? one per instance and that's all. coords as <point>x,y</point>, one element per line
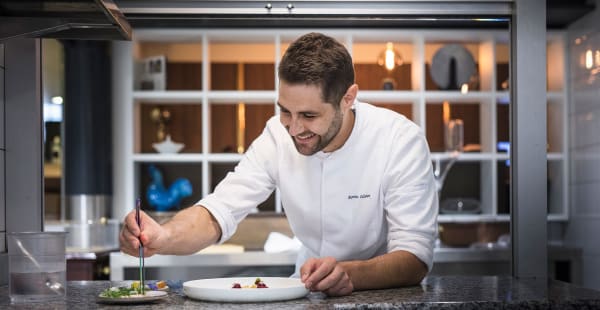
<point>317,59</point>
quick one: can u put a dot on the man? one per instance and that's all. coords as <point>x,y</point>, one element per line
<point>356,183</point>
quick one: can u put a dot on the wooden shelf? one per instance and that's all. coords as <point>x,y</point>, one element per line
<point>52,170</point>
<point>217,82</point>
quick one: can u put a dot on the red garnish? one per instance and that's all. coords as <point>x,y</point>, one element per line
<point>258,283</point>
<point>261,285</point>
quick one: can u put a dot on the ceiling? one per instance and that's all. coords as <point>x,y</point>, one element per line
<point>114,19</point>
<point>561,13</point>
<point>67,19</point>
<point>247,13</point>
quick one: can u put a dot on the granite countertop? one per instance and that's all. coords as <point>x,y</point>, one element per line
<point>449,292</point>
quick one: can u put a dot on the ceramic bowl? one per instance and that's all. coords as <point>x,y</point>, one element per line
<point>168,146</point>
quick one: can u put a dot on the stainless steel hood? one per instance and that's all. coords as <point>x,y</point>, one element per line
<point>111,19</point>
<point>324,13</point>
<point>332,13</point>
<point>63,19</point>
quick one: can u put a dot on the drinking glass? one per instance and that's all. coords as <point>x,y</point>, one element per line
<point>454,139</point>
<point>37,266</point>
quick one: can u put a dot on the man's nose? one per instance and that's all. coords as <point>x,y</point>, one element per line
<point>295,126</point>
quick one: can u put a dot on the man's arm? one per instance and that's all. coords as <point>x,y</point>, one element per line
<point>394,269</point>
<point>189,231</point>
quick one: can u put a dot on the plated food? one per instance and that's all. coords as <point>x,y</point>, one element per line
<point>225,290</point>
<point>135,298</point>
<point>133,293</point>
<point>154,286</point>
<point>120,292</point>
<point>258,283</point>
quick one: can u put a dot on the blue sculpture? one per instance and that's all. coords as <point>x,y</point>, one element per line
<point>163,199</point>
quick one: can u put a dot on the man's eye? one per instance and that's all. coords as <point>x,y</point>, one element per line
<point>307,115</point>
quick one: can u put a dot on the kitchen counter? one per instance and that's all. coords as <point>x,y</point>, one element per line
<point>447,261</point>
<point>119,261</point>
<point>450,292</point>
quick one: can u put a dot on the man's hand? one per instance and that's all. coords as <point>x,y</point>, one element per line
<point>150,233</point>
<point>326,275</point>
<point>334,278</point>
<point>187,232</point>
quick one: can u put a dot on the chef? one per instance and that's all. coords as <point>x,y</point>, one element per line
<point>356,183</point>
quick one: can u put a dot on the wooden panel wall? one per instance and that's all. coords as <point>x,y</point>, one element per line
<point>468,112</point>
<point>184,126</point>
<point>371,77</point>
<point>184,76</point>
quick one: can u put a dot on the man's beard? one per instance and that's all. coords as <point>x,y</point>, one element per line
<point>324,140</point>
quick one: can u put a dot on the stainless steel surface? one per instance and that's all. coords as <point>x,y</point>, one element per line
<point>120,261</point>
<point>3,269</point>
<point>2,152</point>
<point>315,13</point>
<point>2,178</point>
<point>389,7</point>
<point>23,133</point>
<point>83,208</point>
<point>160,13</point>
<point>528,174</point>
<point>121,123</point>
<point>78,19</point>
<point>447,261</point>
<point>3,255</point>
<point>2,73</point>
<point>93,236</point>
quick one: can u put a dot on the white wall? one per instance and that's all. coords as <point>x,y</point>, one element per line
<point>583,227</point>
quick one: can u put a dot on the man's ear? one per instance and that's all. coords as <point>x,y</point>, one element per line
<point>350,96</point>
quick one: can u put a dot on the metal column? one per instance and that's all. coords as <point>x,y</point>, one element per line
<point>88,134</point>
<point>23,135</point>
<point>528,140</point>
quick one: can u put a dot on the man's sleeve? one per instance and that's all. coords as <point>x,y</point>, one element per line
<point>251,183</point>
<point>410,196</point>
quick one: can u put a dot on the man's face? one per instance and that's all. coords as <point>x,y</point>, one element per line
<point>311,122</point>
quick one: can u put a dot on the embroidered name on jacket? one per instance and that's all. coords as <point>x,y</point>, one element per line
<point>363,196</point>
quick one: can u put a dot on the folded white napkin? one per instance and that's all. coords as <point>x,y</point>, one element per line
<point>278,242</point>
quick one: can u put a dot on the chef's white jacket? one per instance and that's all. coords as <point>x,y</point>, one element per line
<point>375,194</point>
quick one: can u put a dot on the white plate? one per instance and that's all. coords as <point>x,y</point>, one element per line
<point>220,289</point>
<point>150,296</point>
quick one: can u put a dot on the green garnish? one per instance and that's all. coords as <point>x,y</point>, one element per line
<point>118,292</point>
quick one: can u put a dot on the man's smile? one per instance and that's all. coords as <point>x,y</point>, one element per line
<point>305,137</point>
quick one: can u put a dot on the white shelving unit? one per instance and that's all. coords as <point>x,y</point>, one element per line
<point>489,48</point>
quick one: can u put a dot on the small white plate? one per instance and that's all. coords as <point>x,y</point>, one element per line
<point>150,296</point>
<point>220,289</point>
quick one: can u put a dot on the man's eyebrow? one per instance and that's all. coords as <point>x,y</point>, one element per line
<point>305,112</point>
<point>280,106</point>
